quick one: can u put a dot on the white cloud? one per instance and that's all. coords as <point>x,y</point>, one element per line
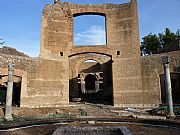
<point>94,35</point>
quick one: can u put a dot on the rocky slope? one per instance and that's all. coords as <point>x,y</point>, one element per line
<point>11,51</point>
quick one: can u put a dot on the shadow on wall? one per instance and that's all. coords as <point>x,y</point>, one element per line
<point>175,84</point>
<point>103,96</point>
<point>95,68</point>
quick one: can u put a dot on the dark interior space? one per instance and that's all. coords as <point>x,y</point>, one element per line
<point>175,85</point>
<point>90,82</point>
<point>15,95</point>
<point>2,95</point>
<point>105,93</point>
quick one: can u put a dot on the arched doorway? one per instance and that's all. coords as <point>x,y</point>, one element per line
<point>91,78</point>
<point>90,83</point>
<point>16,94</point>
<point>90,89</point>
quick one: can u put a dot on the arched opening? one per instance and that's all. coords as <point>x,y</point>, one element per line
<point>90,66</point>
<point>90,83</point>
<point>16,95</point>
<point>91,79</point>
<point>89,29</point>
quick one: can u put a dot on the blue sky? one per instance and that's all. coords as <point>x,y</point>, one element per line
<point>20,21</point>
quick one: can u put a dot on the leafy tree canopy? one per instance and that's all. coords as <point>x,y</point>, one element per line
<point>162,42</point>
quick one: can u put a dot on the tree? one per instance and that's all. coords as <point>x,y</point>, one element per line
<point>161,42</point>
<point>167,38</point>
<point>150,44</point>
<point>1,42</point>
<point>178,33</point>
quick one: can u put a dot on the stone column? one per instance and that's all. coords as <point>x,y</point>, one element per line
<point>83,89</point>
<point>96,86</point>
<point>166,62</point>
<point>8,114</point>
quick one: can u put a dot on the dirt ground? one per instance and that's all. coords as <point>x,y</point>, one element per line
<point>74,109</point>
<point>78,111</point>
<point>134,129</point>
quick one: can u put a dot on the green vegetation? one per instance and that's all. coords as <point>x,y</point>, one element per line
<point>162,42</point>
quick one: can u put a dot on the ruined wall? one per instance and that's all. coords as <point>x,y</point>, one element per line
<point>48,80</point>
<point>146,79</point>
<point>47,87</point>
<point>151,70</point>
<point>42,80</point>
<point>122,41</point>
<point>121,28</point>
<point>126,69</point>
<point>23,68</point>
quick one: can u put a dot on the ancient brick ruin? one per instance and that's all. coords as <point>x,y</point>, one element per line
<point>119,76</point>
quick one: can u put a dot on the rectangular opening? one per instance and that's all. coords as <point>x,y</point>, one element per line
<point>61,53</point>
<point>118,52</point>
<point>89,29</point>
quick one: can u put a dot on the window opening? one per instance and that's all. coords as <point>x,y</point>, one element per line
<point>61,53</point>
<point>89,30</point>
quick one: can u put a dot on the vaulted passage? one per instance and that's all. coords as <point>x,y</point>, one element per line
<point>90,82</point>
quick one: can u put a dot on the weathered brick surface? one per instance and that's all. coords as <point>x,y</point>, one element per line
<point>151,69</point>
<point>51,79</point>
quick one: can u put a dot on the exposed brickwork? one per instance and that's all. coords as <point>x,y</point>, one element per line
<point>128,79</point>
<point>122,35</point>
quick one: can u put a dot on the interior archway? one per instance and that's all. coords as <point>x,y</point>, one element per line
<point>90,82</point>
<point>91,78</point>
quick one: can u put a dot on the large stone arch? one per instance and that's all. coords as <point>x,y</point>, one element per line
<point>75,61</point>
<point>78,61</point>
<point>98,59</point>
<point>91,49</point>
<point>83,12</point>
<point>89,11</point>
